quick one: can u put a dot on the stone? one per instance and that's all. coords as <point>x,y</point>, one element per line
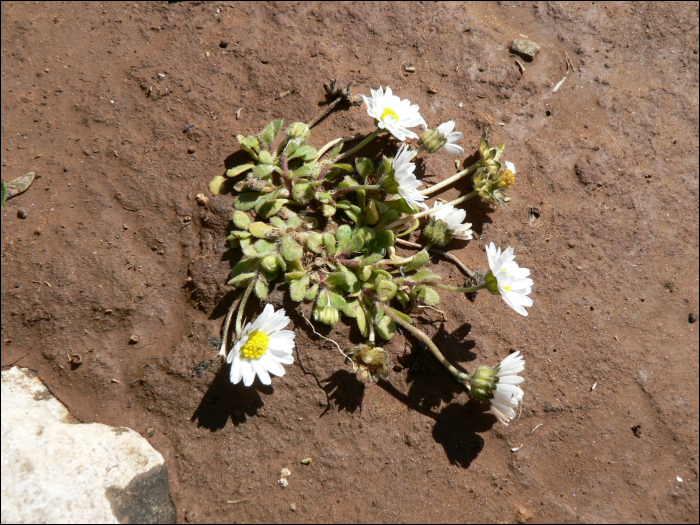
<point>55,469</point>
<point>525,48</point>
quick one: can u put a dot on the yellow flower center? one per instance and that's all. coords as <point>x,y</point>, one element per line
<point>256,345</point>
<point>389,113</point>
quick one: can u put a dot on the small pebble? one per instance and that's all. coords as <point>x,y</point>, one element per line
<point>432,90</point>
<point>525,48</point>
<point>285,473</point>
<point>306,461</point>
<point>292,507</point>
<point>37,231</point>
<point>133,339</point>
<point>202,199</point>
<point>191,150</point>
<point>692,317</point>
<point>283,482</point>
<point>22,213</point>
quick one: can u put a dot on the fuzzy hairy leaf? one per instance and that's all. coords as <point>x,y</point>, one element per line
<point>364,167</point>
<point>269,134</point>
<point>419,259</point>
<point>247,201</point>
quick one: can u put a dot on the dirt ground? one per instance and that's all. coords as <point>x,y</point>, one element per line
<point>100,100</point>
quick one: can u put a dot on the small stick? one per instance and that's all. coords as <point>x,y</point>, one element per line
<point>325,111</point>
<point>522,68</point>
<point>238,500</point>
<point>538,426</point>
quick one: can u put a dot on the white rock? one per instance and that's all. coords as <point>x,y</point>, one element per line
<point>56,470</point>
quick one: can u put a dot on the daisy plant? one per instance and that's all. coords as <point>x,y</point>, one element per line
<point>327,229</point>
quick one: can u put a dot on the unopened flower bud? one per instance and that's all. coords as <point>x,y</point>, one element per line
<point>298,131</point>
<point>437,232</point>
<point>432,140</point>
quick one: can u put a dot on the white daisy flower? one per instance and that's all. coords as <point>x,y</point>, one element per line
<point>453,217</point>
<point>404,177</point>
<point>451,136</point>
<point>262,348</point>
<point>393,114</point>
<point>508,279</point>
<point>507,395</point>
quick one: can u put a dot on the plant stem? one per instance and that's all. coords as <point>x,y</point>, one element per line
<point>227,322</point>
<point>356,188</point>
<point>325,111</point>
<point>450,180</point>
<point>440,252</point>
<point>332,143</point>
<point>457,288</point>
<point>460,376</point>
<point>241,308</point>
<point>359,146</point>
<point>422,214</point>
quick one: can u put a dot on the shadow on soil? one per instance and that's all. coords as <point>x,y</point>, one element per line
<point>224,401</point>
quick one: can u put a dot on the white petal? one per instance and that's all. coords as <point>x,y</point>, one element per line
<point>235,374</point>
<point>247,372</point>
<point>261,372</point>
<point>510,166</point>
<point>272,365</point>
<point>282,342</point>
<point>454,149</point>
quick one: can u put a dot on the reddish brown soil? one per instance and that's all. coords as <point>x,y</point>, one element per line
<point>95,99</point>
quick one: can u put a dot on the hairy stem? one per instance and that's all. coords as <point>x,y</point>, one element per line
<point>356,188</point>
<point>457,288</point>
<point>359,146</point>
<point>241,308</point>
<point>460,376</point>
<point>422,214</point>
<point>451,179</point>
<point>440,252</point>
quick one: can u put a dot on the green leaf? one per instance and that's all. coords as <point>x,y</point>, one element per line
<point>269,134</point>
<point>262,289</point>
<point>18,185</point>
<point>305,170</point>
<point>423,275</point>
<point>344,235</point>
<point>402,315</point>
<point>427,295</point>
<point>304,152</point>
<point>361,319</point>
<point>355,214</point>
<point>418,260</point>
<point>261,230</point>
<point>401,205</point>
<point>297,289</point>
<point>243,277</point>
<point>250,145</point>
<point>241,220</point>
<point>247,201</point>
<point>264,246</point>
<point>311,294</point>
<point>293,276</point>
<point>266,210</point>
<point>290,249</point>
<point>3,198</point>
<point>277,222</point>
<point>328,210</point>
<point>386,327</point>
<point>403,298</point>
<point>265,157</point>
<point>387,218</point>
<point>336,300</point>
<point>386,290</point>
<point>315,242</point>
<point>364,167</point>
<point>263,171</point>
<point>329,243</point>
<point>216,185</point>
<point>302,192</point>
<point>237,170</point>
<point>385,238</point>
<point>350,308</point>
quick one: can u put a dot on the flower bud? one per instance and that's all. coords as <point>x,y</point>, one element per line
<point>437,232</point>
<point>432,140</point>
<point>299,132</point>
